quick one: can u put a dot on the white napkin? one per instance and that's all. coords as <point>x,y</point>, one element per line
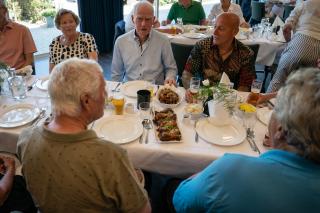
<point>278,22</point>
<point>225,79</point>
<point>280,36</point>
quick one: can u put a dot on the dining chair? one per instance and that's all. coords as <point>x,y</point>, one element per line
<point>287,10</point>
<point>257,12</point>
<point>119,29</point>
<point>181,53</point>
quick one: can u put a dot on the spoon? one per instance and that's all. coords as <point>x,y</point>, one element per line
<point>147,124</point>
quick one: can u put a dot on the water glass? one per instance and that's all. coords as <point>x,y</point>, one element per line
<point>179,22</point>
<point>18,87</point>
<point>144,110</point>
<point>194,85</point>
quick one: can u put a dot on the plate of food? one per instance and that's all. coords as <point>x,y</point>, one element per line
<point>169,96</point>
<point>167,130</point>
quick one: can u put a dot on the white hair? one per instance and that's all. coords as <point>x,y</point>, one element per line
<point>69,80</point>
<point>142,3</point>
<point>298,111</point>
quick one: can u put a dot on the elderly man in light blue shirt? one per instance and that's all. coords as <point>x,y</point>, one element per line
<point>143,53</point>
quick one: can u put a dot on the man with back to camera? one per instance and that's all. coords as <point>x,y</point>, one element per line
<point>67,167</point>
<point>284,179</point>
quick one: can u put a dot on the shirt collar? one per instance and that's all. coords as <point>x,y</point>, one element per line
<point>291,159</point>
<point>8,26</point>
<point>191,4</point>
<point>136,38</point>
<point>234,43</point>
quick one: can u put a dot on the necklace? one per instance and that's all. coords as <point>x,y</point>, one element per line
<point>65,41</point>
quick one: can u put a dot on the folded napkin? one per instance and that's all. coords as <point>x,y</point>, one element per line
<point>25,71</point>
<point>278,22</point>
<point>280,37</point>
<point>225,79</point>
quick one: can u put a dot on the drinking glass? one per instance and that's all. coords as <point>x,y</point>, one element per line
<point>118,103</point>
<point>194,85</point>
<point>18,87</point>
<point>144,110</point>
<point>179,22</point>
<point>256,87</point>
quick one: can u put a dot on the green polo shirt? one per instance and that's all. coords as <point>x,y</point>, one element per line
<point>191,15</point>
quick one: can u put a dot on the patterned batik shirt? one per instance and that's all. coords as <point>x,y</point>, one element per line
<point>84,44</point>
<point>206,62</point>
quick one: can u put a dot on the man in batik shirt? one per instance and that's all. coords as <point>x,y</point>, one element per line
<point>220,53</point>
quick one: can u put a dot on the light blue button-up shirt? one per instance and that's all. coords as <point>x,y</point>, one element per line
<point>153,61</point>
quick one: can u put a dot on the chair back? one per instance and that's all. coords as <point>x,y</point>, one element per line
<point>119,29</point>
<point>181,53</point>
<point>257,10</point>
<point>287,11</point>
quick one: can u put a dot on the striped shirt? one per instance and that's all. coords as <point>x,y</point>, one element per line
<point>206,62</point>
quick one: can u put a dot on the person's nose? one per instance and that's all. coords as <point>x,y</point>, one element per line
<point>215,31</point>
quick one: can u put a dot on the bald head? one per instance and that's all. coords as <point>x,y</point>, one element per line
<point>231,19</point>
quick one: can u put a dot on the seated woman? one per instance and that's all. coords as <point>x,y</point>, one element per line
<point>227,6</point>
<point>71,43</point>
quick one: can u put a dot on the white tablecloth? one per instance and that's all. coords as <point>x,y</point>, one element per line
<point>267,51</point>
<point>178,159</point>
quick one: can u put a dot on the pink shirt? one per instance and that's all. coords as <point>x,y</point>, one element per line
<point>15,41</point>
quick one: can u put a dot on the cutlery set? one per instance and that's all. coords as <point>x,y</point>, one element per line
<point>250,138</point>
<point>147,125</point>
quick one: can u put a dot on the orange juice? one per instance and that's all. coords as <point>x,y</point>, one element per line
<point>118,103</point>
<point>253,98</point>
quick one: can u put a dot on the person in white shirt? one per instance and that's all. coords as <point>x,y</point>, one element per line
<point>130,25</point>
<point>304,46</point>
<point>227,6</point>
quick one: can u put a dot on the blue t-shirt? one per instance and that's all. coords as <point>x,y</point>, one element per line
<point>277,181</point>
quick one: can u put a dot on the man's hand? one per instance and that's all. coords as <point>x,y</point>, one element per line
<point>6,163</point>
<point>287,32</point>
<point>170,82</point>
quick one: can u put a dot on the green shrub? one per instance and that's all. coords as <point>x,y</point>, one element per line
<point>49,13</point>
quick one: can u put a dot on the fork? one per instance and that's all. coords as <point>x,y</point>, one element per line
<point>250,138</point>
<point>115,89</point>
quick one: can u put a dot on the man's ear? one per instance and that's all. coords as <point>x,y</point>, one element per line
<point>280,133</point>
<point>132,18</point>
<point>84,99</point>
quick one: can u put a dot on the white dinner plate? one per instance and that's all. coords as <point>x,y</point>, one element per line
<point>131,88</point>
<point>228,135</point>
<point>18,115</point>
<point>264,115</point>
<point>43,83</point>
<point>193,35</point>
<point>119,129</point>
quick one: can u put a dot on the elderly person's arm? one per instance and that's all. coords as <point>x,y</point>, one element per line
<point>91,47</point>
<point>169,63</point>
<point>8,166</point>
<point>292,21</point>
<point>29,59</point>
<point>117,65</point>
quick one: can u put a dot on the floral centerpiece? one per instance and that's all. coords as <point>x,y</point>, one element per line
<point>219,93</point>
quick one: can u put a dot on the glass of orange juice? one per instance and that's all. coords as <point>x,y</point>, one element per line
<point>118,103</point>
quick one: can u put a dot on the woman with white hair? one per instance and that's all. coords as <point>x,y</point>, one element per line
<point>284,179</point>
<point>71,43</point>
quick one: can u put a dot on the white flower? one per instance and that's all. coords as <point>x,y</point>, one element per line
<point>206,82</point>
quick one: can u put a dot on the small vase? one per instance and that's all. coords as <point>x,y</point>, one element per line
<point>219,115</point>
